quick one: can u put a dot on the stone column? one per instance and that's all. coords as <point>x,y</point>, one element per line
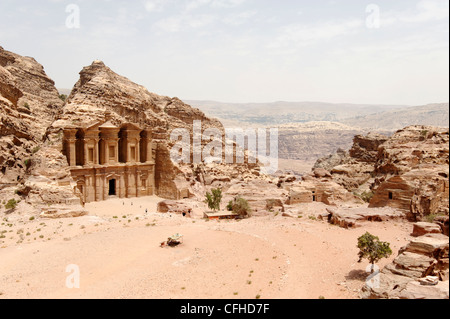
<point>72,152</point>
<point>70,136</point>
<point>106,159</point>
<point>138,150</point>
<point>86,152</point>
<point>116,150</point>
<point>96,152</point>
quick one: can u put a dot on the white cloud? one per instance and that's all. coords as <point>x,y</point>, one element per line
<point>227,3</point>
<point>184,21</point>
<point>194,4</point>
<point>425,11</point>
<point>240,18</point>
<point>304,35</point>
<point>155,5</point>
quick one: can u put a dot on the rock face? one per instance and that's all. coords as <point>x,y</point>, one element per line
<point>353,217</point>
<point>32,168</point>
<point>412,172</point>
<point>407,171</point>
<point>31,152</point>
<point>426,257</point>
<point>356,167</point>
<point>263,197</point>
<point>26,94</point>
<point>421,229</point>
<point>310,141</point>
<point>169,206</point>
<point>101,91</point>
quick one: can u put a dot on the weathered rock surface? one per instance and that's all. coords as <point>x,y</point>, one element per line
<point>408,170</point>
<point>408,277</point>
<point>63,212</point>
<point>101,91</point>
<point>261,195</point>
<point>353,217</point>
<point>174,207</point>
<point>32,169</point>
<point>421,229</point>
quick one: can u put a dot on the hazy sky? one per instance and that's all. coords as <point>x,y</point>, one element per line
<point>244,50</point>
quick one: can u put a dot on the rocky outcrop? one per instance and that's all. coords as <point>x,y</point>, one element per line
<point>32,169</point>
<point>174,207</point>
<point>354,217</point>
<point>263,197</point>
<point>26,94</point>
<point>311,141</point>
<point>101,91</point>
<point>421,271</point>
<point>412,172</point>
<point>356,167</point>
<point>407,171</point>
<point>421,229</point>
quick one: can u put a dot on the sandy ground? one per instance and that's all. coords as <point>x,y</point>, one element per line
<point>117,252</point>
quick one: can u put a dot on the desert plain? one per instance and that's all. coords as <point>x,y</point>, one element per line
<point>118,254</point>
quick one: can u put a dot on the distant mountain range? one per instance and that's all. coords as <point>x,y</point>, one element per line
<point>432,114</point>
<point>311,130</point>
<point>361,116</point>
<point>278,113</point>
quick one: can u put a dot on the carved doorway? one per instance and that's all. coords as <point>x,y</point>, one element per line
<point>112,187</point>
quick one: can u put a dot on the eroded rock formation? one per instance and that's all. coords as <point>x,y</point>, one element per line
<point>407,171</point>
<point>422,261</point>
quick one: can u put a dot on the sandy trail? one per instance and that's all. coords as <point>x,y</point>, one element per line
<point>269,257</point>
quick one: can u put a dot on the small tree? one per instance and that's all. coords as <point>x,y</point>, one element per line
<point>214,199</point>
<point>373,249</point>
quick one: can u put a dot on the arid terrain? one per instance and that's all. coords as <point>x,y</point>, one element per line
<point>117,249</point>
<point>93,186</point>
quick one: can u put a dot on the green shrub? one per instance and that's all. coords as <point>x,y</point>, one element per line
<point>12,204</point>
<point>241,207</point>
<point>214,199</point>
<point>366,196</point>
<point>371,248</point>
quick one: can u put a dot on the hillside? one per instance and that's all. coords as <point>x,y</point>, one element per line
<point>279,113</point>
<point>432,114</point>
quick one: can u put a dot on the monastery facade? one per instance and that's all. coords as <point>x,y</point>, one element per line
<point>109,161</point>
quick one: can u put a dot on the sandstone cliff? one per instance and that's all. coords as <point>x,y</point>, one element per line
<point>408,170</point>
<point>33,172</point>
<point>101,92</point>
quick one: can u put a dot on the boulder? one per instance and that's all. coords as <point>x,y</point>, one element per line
<point>353,217</point>
<point>63,212</point>
<point>432,245</point>
<point>169,206</point>
<point>422,228</point>
<point>415,290</point>
<point>411,265</point>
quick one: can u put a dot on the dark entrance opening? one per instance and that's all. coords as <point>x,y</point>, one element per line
<point>112,187</point>
<point>391,196</point>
